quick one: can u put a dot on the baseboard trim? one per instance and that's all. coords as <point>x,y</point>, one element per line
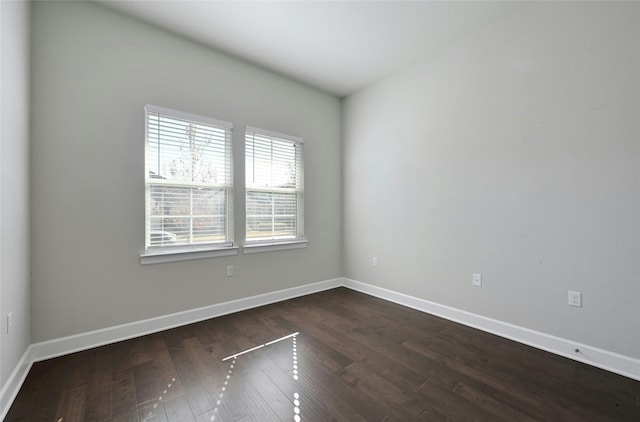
<point>11,387</point>
<point>84,341</point>
<point>603,359</point>
<point>75,343</point>
<point>610,361</point>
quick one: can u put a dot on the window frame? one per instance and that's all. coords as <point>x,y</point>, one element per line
<point>166,253</point>
<point>274,244</point>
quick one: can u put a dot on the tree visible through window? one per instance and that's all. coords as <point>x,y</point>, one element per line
<point>274,186</point>
<point>188,180</point>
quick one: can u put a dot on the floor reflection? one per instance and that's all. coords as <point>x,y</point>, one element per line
<point>255,359</point>
<point>243,375</point>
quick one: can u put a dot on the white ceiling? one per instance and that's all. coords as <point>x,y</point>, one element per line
<point>336,46</point>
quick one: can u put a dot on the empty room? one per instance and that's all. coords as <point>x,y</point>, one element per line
<point>320,210</point>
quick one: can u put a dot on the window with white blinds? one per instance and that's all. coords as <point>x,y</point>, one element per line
<point>274,187</point>
<point>188,180</point>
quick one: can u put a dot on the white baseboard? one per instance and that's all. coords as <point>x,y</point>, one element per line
<point>594,356</point>
<point>610,361</point>
<point>11,387</point>
<point>66,345</point>
<point>84,341</point>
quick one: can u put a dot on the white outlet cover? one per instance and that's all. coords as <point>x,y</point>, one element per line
<point>477,280</point>
<point>575,298</point>
<point>9,322</point>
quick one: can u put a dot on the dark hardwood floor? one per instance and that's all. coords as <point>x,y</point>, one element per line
<point>348,357</point>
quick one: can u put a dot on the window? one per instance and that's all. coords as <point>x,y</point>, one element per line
<point>274,188</point>
<point>188,182</point>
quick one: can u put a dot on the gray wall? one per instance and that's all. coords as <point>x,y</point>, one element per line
<point>14,184</point>
<point>93,72</point>
<point>515,154</point>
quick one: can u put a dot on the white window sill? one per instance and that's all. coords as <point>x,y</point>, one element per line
<point>274,246</point>
<point>159,256</point>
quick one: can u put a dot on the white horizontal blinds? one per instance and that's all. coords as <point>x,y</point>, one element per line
<point>274,186</point>
<point>188,179</point>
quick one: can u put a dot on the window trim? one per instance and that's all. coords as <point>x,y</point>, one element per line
<point>159,254</point>
<point>185,253</point>
<point>269,246</point>
<point>266,245</point>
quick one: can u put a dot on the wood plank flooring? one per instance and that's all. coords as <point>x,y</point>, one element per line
<point>354,358</point>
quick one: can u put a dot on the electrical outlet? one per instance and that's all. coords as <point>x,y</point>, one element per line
<point>229,270</point>
<point>575,298</point>
<point>374,261</point>
<point>9,322</point>
<point>477,280</point>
